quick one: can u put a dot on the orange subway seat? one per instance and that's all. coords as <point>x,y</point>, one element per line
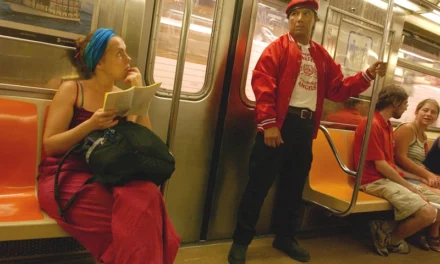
<point>325,168</point>
<point>18,130</point>
<point>328,184</point>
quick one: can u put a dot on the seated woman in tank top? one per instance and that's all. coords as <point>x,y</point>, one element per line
<point>411,145</point>
<point>126,224</point>
<point>410,154</point>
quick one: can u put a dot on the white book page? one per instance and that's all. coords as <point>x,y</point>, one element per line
<point>120,101</point>
<point>142,98</point>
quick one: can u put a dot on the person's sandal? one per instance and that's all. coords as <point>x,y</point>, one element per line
<point>423,242</point>
<point>434,243</point>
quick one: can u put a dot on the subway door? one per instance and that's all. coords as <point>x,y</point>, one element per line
<point>207,48</point>
<point>262,21</point>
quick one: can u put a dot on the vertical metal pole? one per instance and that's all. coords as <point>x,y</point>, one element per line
<point>374,98</point>
<point>178,79</point>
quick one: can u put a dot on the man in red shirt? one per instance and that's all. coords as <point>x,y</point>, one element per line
<point>290,81</point>
<point>381,178</point>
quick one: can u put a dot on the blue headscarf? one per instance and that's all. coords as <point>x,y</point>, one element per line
<point>96,47</point>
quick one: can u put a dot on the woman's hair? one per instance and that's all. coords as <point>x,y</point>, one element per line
<point>90,50</point>
<point>391,95</point>
<point>428,101</point>
<point>79,58</point>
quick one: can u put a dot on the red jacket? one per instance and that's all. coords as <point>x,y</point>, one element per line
<point>275,74</point>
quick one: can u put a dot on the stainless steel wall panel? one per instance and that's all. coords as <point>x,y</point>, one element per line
<point>32,63</point>
<point>195,133</point>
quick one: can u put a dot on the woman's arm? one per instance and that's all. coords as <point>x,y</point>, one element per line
<point>409,175</point>
<point>403,137</point>
<point>57,137</point>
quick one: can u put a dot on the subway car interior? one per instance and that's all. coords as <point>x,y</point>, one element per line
<point>203,53</point>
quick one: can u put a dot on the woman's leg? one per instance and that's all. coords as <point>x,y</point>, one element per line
<point>142,230</point>
<point>129,226</point>
<point>89,217</point>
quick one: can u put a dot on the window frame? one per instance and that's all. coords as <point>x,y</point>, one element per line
<point>213,46</point>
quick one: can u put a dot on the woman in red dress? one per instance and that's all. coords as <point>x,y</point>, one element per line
<point>120,225</point>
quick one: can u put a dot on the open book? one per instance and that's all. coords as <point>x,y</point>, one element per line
<point>133,101</point>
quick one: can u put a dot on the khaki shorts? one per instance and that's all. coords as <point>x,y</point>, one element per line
<point>405,202</point>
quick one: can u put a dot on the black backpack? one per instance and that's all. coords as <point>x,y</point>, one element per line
<point>121,154</point>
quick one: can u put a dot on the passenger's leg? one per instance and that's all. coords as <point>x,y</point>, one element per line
<point>419,220</point>
<point>298,136</point>
<point>128,226</point>
<point>409,208</point>
<point>433,238</point>
<point>89,218</point>
<point>263,169</point>
<point>432,189</point>
<point>142,231</point>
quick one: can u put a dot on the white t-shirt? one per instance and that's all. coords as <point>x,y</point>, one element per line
<point>305,93</point>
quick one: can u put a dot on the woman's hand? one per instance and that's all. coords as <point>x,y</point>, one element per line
<point>432,180</point>
<point>134,77</point>
<point>103,119</point>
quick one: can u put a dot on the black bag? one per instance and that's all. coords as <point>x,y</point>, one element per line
<point>121,154</point>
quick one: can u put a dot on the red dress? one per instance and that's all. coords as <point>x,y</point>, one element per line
<point>121,225</point>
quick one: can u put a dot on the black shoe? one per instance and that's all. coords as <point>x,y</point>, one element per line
<point>291,247</point>
<point>237,254</point>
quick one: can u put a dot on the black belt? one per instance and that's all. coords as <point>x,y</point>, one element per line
<point>304,113</point>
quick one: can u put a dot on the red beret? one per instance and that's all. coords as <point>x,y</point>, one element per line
<point>311,4</point>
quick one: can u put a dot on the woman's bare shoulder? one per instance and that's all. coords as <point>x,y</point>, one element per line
<point>67,91</point>
<point>405,130</point>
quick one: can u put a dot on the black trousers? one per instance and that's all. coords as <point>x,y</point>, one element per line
<point>291,161</point>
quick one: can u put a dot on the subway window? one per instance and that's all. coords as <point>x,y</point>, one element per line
<point>418,71</point>
<point>355,44</point>
<point>199,40</point>
<point>270,23</point>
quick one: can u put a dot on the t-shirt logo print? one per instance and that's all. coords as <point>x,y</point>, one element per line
<point>308,77</point>
<point>308,70</point>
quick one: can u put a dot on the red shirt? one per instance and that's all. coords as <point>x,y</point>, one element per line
<point>380,147</point>
<point>275,74</point>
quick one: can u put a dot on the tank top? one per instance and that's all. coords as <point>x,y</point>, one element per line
<point>79,113</point>
<point>416,149</point>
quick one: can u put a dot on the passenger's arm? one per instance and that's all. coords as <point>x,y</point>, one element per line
<point>340,88</point>
<point>403,137</point>
<point>409,175</point>
<point>57,137</point>
<point>264,84</point>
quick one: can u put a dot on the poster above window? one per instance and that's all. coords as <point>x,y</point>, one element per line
<point>53,21</point>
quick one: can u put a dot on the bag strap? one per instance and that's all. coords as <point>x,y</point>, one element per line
<point>62,210</point>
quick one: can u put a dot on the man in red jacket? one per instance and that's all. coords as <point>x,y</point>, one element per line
<point>290,81</point>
